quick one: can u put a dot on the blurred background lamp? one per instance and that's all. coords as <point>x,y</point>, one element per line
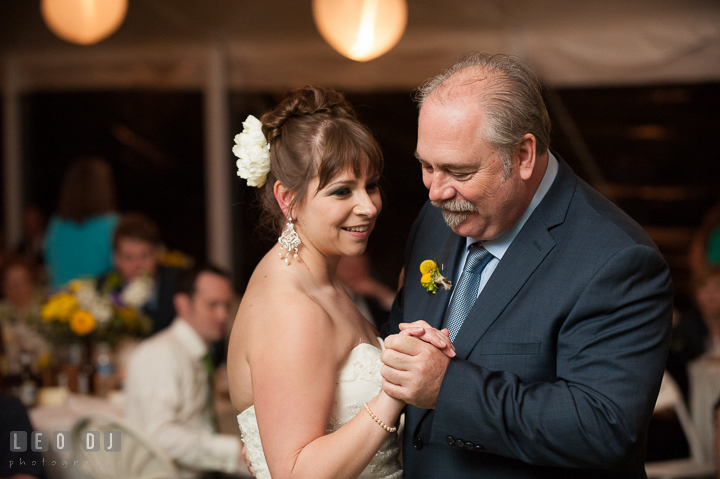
<point>83,21</point>
<point>361,29</point>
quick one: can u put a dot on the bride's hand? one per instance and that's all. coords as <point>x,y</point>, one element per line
<point>438,338</point>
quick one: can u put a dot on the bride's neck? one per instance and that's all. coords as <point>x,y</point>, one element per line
<point>322,269</point>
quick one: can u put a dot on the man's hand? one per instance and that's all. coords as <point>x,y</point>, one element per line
<point>413,370</point>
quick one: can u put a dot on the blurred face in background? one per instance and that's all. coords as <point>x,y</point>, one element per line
<point>18,285</point>
<point>135,256</point>
<point>208,309</point>
<point>707,297</point>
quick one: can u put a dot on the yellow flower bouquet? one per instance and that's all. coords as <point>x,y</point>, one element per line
<point>81,312</point>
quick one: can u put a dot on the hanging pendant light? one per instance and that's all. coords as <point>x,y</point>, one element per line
<point>361,29</point>
<point>83,21</point>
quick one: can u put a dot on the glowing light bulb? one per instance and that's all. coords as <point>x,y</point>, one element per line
<point>83,21</point>
<point>361,29</point>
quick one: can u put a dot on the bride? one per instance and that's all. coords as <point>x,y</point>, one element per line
<point>303,363</point>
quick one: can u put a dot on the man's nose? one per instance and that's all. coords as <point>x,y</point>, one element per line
<point>440,188</point>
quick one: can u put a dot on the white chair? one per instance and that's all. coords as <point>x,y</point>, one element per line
<point>697,465</point>
<point>139,456</point>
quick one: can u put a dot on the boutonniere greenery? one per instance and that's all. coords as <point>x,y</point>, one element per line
<point>431,279</point>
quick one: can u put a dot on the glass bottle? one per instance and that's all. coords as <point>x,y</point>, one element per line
<point>28,381</point>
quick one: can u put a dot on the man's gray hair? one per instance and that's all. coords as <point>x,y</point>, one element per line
<point>511,100</point>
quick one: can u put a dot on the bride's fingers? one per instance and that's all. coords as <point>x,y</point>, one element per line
<point>428,336</point>
<point>414,331</point>
<point>434,337</point>
<point>414,324</point>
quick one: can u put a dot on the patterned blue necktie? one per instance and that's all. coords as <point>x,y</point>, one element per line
<point>466,291</point>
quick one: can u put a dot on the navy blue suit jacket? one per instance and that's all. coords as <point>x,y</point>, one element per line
<point>560,360</point>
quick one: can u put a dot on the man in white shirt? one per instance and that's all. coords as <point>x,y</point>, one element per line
<point>168,386</point>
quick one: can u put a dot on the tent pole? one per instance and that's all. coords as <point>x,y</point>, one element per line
<point>12,168</point>
<point>217,171</point>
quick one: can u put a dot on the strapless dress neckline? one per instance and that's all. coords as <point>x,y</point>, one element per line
<point>359,381</point>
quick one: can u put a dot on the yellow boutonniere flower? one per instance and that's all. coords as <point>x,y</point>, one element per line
<point>431,278</point>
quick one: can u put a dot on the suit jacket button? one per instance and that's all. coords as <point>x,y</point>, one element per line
<point>469,446</point>
<point>478,448</point>
<point>417,443</point>
<point>459,443</point>
<point>450,440</point>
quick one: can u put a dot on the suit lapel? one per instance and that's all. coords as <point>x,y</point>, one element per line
<point>527,251</point>
<point>517,265</point>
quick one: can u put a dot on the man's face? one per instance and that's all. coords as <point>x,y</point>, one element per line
<point>18,286</point>
<point>708,298</point>
<point>208,309</point>
<point>134,256</point>
<point>463,173</point>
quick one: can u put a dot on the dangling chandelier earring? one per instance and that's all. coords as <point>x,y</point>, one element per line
<point>289,241</point>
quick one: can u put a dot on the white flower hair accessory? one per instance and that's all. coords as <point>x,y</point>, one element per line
<point>253,152</point>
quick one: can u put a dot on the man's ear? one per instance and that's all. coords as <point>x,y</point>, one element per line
<point>181,301</point>
<point>284,197</point>
<point>524,156</point>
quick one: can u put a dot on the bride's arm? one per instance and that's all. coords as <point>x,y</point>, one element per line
<point>294,374</point>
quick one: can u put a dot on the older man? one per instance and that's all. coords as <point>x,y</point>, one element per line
<point>560,309</point>
<point>169,380</point>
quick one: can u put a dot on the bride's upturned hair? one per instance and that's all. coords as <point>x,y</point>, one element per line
<point>313,132</point>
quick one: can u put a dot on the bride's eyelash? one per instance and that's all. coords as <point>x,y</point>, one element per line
<point>341,191</point>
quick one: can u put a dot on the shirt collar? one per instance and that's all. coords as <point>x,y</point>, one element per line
<point>189,338</point>
<point>498,246</point>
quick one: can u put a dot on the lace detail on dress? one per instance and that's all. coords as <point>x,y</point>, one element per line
<point>358,382</point>
<point>250,436</point>
<point>364,368</point>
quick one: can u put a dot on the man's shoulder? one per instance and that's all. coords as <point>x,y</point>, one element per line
<point>590,216</point>
<point>161,347</point>
<point>601,217</point>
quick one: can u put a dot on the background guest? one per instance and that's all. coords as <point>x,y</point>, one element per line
<point>705,247</point>
<point>20,315</point>
<point>372,298</point>
<point>78,240</point>
<point>34,222</point>
<point>169,380</point>
<point>136,247</point>
<point>20,286</point>
<point>13,417</point>
<point>697,331</point>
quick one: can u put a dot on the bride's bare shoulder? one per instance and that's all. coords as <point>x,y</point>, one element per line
<point>276,307</point>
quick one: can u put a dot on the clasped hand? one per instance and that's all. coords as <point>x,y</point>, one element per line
<point>415,363</point>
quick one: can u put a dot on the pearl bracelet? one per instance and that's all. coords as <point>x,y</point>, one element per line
<point>377,420</point>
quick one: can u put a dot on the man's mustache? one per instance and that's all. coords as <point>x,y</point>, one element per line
<point>455,206</point>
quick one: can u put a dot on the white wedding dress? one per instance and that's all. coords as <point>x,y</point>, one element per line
<point>358,382</point>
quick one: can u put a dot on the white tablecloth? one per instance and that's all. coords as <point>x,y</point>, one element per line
<point>62,417</point>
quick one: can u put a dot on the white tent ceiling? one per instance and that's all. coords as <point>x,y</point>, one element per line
<point>273,44</point>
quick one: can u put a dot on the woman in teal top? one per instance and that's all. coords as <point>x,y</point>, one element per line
<point>78,242</point>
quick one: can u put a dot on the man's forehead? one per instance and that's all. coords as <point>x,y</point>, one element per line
<point>465,85</point>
